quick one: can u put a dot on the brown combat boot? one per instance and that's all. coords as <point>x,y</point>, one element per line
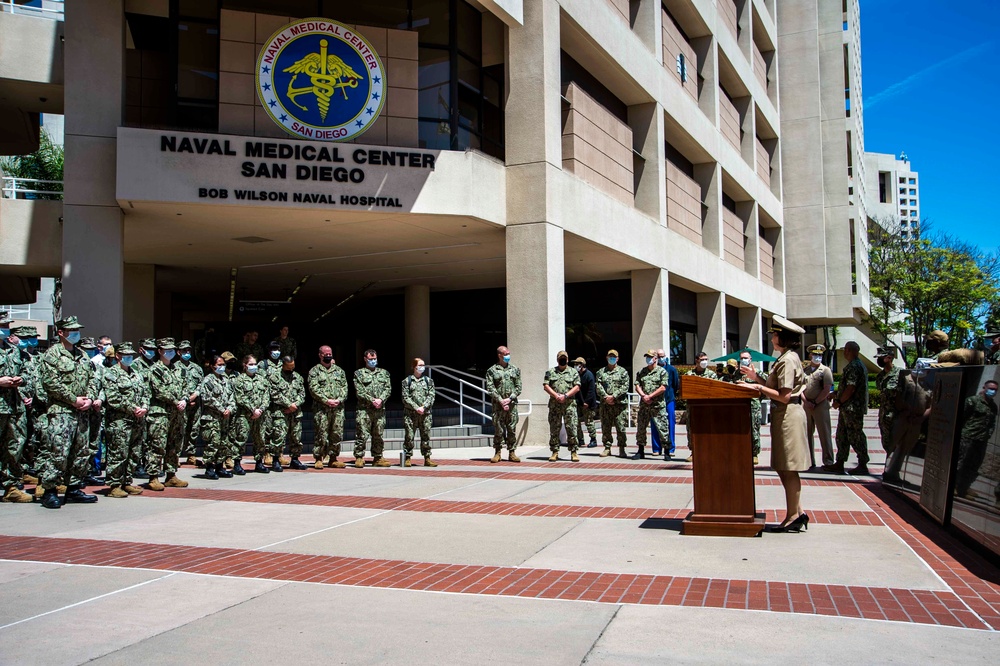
<point>512,457</point>
<point>117,493</point>
<point>606,452</point>
<point>428,462</point>
<point>286,461</point>
<point>16,496</point>
<point>318,464</point>
<point>573,457</point>
<point>227,463</point>
<point>756,461</point>
<point>154,484</point>
<point>359,463</point>
<point>268,460</point>
<point>132,490</point>
<point>191,460</point>
<point>554,457</point>
<point>406,462</point>
<point>337,464</point>
<point>381,462</point>
<point>496,456</point>
<point>173,482</point>
<point>29,480</point>
<point>61,489</point>
<point>39,491</point>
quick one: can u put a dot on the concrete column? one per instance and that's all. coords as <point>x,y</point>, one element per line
<point>140,288</point>
<point>646,121</point>
<point>93,237</point>
<point>750,328</point>
<point>647,24</point>
<point>712,323</point>
<point>709,177</point>
<point>417,327</point>
<point>650,313</point>
<point>536,314</point>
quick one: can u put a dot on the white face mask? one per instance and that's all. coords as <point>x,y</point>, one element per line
<point>703,364</point>
<point>817,359</point>
<point>419,369</point>
<point>744,362</point>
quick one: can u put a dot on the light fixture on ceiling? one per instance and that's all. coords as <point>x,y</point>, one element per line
<point>253,239</point>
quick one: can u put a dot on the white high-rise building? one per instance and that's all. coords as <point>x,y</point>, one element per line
<point>893,192</point>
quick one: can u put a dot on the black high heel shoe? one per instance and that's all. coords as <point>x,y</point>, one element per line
<point>799,524</point>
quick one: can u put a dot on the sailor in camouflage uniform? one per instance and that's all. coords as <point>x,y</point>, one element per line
<point>217,407</point>
<point>288,393</point>
<point>700,370</point>
<point>143,362</point>
<point>979,420</point>
<point>650,383</point>
<point>373,387</point>
<point>562,383</point>
<point>418,398</point>
<point>328,388</point>
<point>613,383</point>
<point>13,380</point>
<point>166,417</point>
<point>503,383</point>
<point>740,376</point>
<point>887,383</point>
<point>252,396</point>
<point>193,374</point>
<point>23,455</point>
<point>90,349</point>
<point>67,382</point>
<point>852,401</point>
<point>127,396</point>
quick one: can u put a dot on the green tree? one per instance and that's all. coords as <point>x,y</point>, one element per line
<point>46,163</point>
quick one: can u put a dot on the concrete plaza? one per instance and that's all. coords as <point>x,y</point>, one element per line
<point>554,563</point>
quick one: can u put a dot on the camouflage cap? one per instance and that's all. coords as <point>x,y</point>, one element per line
<point>612,352</point>
<point>816,349</point>
<point>885,351</point>
<point>125,349</point>
<point>938,336</point>
<point>165,343</point>
<point>68,324</point>
<point>88,343</point>
<point>148,343</point>
<point>184,344</point>
<point>25,332</point>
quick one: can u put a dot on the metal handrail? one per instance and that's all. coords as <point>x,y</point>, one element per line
<point>13,186</point>
<point>56,13</point>
<point>450,394</point>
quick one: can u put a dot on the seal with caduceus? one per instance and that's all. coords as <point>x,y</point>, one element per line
<point>319,79</point>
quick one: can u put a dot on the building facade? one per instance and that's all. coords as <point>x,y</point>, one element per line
<point>894,192</point>
<point>548,174</point>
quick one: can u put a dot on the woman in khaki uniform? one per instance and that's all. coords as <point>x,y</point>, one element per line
<point>789,446</point>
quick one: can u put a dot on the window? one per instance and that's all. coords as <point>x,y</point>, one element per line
<point>902,181</point>
<point>913,181</point>
<point>913,213</point>
<point>902,190</point>
<point>913,202</point>
<point>883,187</point>
<point>913,192</point>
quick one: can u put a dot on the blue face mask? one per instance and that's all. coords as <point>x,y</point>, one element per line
<point>650,361</point>
<point>23,344</point>
<point>149,354</point>
<point>126,361</point>
<point>990,393</point>
<point>663,362</point>
<point>73,337</point>
<point>169,354</point>
<point>186,356</point>
<point>4,333</point>
<point>612,360</point>
<point>32,342</point>
<point>275,354</point>
<point>506,358</point>
<point>372,363</point>
<point>220,369</point>
<point>252,369</point>
<point>91,353</point>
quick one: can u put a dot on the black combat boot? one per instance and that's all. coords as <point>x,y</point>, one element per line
<point>222,472</point>
<point>50,500</point>
<point>237,468</point>
<point>640,454</point>
<point>260,468</point>
<point>75,495</point>
<point>295,464</point>
<point>211,473</point>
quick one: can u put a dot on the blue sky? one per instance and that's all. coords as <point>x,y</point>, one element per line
<point>927,66</point>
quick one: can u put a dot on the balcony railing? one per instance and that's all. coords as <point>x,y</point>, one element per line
<point>32,188</point>
<point>50,9</point>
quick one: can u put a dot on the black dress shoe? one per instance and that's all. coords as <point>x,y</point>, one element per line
<point>77,496</point>
<point>276,466</point>
<point>639,455</point>
<point>295,464</point>
<point>237,468</point>
<point>50,500</point>
<point>140,472</point>
<point>211,474</point>
<point>260,469</point>
<point>222,472</point>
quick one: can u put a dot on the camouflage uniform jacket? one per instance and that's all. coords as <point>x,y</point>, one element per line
<point>418,392</point>
<point>327,384</point>
<point>708,374</point>
<point>503,383</point>
<point>887,382</point>
<point>216,393</point>
<point>11,366</point>
<point>287,388</point>
<point>979,418</point>
<point>615,382</point>
<point>166,388</point>
<point>251,392</point>
<point>245,349</point>
<point>142,365</point>
<point>29,371</point>
<point>371,384</point>
<point>193,374</point>
<point>650,379</point>
<point>856,375</point>
<point>740,378</point>
<point>64,376</point>
<point>288,346</point>
<point>561,381</point>
<point>125,390</point>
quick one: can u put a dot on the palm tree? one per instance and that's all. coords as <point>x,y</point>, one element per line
<point>46,163</point>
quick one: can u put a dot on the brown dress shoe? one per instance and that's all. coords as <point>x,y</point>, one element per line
<point>154,484</point>
<point>359,462</point>
<point>512,457</point>
<point>428,462</point>
<point>132,490</point>
<point>496,456</point>
<point>173,482</point>
<point>337,464</point>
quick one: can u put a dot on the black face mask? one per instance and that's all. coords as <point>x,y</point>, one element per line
<point>328,358</point>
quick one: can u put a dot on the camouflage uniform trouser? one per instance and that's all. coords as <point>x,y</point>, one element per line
<point>242,428</point>
<point>10,469</point>
<point>558,414</point>
<point>655,412</point>
<point>34,450</point>
<point>215,434</point>
<point>23,428</point>
<point>328,423</point>
<point>851,435</point>
<point>166,435</point>
<point>66,448</point>
<point>971,454</point>
<point>885,419</point>
<point>613,417</point>
<point>369,424</point>
<point>755,416</point>
<point>504,426</point>
<point>413,423</point>
<point>588,417</point>
<point>285,427</point>
<point>123,440</point>
<point>192,426</point>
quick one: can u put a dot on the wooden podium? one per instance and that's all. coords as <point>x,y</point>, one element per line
<point>724,501</point>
